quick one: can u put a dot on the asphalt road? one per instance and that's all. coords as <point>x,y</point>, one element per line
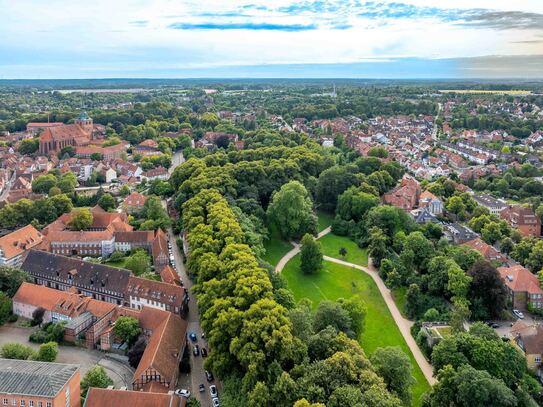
<point>197,375</point>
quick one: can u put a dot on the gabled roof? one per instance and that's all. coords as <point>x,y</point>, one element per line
<point>84,274</point>
<point>162,351</point>
<point>104,397</point>
<point>41,379</point>
<point>520,279</point>
<point>135,199</point>
<point>489,252</point>
<point>17,242</point>
<point>63,302</point>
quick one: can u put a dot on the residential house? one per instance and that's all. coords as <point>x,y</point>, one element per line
<point>458,234</point>
<point>489,252</point>
<point>494,205</point>
<point>155,173</point>
<point>431,202</point>
<point>39,384</point>
<point>523,287</point>
<point>523,219</point>
<point>15,245</point>
<point>529,338</point>
<point>134,203</point>
<point>406,195</point>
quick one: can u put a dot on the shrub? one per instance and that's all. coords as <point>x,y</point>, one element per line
<point>47,353</point>
<point>16,351</point>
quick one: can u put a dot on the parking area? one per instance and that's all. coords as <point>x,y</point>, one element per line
<point>503,328</point>
<point>120,372</point>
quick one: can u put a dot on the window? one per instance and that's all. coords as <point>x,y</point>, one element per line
<point>538,359</point>
<point>48,404</point>
<point>22,403</point>
<point>5,402</point>
<point>40,404</point>
<point>13,402</point>
<point>31,403</point>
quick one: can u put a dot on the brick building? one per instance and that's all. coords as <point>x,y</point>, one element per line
<point>39,384</point>
<point>522,219</point>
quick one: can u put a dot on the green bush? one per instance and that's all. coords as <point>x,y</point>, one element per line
<point>16,351</point>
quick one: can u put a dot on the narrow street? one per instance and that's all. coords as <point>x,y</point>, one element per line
<point>192,380</point>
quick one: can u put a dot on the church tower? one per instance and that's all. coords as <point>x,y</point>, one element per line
<point>85,122</point>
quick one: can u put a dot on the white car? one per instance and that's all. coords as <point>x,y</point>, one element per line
<point>213,391</point>
<point>519,314</point>
<point>183,393</point>
<point>215,401</point>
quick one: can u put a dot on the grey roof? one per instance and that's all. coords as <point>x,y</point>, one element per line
<point>42,379</point>
<point>489,200</point>
<point>83,274</point>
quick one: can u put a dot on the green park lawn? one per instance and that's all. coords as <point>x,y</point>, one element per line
<point>325,219</point>
<point>399,296</point>
<point>331,244</point>
<point>275,247</point>
<point>337,281</point>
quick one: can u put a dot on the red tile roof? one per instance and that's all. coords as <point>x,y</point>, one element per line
<point>109,398</point>
<point>15,243</point>
<point>520,279</point>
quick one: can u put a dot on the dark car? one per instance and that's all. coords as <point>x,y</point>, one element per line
<point>209,376</point>
<point>495,325</point>
<point>193,337</point>
<point>202,388</point>
<point>196,350</point>
<point>204,352</point>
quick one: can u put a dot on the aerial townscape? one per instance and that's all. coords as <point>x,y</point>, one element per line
<point>271,204</point>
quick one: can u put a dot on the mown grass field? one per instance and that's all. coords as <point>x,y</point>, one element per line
<point>337,281</point>
<point>275,247</point>
<point>325,219</point>
<point>331,244</point>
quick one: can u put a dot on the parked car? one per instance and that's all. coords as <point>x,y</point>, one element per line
<point>495,325</point>
<point>182,393</point>
<point>215,401</point>
<point>202,388</point>
<point>209,376</point>
<point>193,337</point>
<point>204,352</point>
<point>196,350</point>
<point>213,391</point>
<point>519,314</point>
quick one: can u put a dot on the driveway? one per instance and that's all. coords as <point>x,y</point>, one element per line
<point>120,372</point>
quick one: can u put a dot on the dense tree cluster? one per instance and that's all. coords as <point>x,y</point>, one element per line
<point>477,368</point>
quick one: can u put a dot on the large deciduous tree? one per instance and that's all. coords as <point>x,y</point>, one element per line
<point>81,219</point>
<point>310,255</point>
<point>487,292</point>
<point>394,366</point>
<point>291,210</point>
<point>95,377</point>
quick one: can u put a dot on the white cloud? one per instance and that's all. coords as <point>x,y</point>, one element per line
<point>135,35</point>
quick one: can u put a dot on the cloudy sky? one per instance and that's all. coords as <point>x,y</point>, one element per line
<point>271,38</point>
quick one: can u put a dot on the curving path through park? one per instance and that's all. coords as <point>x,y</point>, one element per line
<point>404,325</point>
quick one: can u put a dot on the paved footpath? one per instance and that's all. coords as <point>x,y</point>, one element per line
<point>404,325</point>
